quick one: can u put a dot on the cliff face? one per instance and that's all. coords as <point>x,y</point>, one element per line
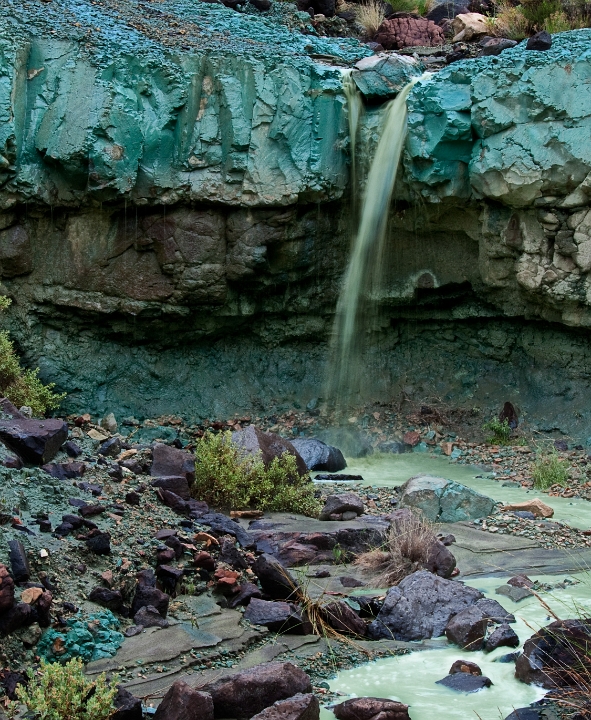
<point>175,212</point>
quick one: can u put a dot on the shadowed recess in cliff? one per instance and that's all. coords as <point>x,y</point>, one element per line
<point>357,306</point>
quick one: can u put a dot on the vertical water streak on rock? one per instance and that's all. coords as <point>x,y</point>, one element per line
<point>356,312</point>
<point>355,109</point>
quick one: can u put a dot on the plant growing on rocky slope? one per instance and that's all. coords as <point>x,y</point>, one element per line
<point>226,478</point>
<point>406,551</point>
<point>23,387</point>
<point>549,470</point>
<point>63,692</point>
<point>371,15</point>
<point>500,431</point>
<point>517,22</point>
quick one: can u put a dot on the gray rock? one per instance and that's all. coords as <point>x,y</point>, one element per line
<point>367,708</point>
<point>168,461</point>
<point>467,629</point>
<point>182,702</point>
<point>251,441</point>
<point>463,682</point>
<point>442,500</point>
<point>277,616</point>
<point>319,456</point>
<point>495,46</point>
<point>298,707</point>
<point>148,616</point>
<point>342,503</point>
<point>514,593</point>
<point>503,636</point>
<point>275,580</point>
<point>494,612</point>
<point>421,606</point>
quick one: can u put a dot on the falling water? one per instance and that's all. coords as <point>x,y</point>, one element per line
<point>356,308</point>
<point>355,110</point>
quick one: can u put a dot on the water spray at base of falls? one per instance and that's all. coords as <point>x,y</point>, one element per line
<point>357,304</point>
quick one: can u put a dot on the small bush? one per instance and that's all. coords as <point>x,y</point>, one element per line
<point>63,692</point>
<point>500,431</point>
<point>406,551</point>
<point>371,15</point>
<point>549,470</point>
<point>23,387</point>
<point>421,7</point>
<point>226,478</point>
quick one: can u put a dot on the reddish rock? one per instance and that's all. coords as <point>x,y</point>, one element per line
<point>411,438</point>
<point>344,619</point>
<point>465,666</point>
<point>182,702</point>
<point>401,32</point>
<point>6,589</point>
<point>298,707</point>
<point>172,462</point>
<point>204,560</point>
<point>367,708</point>
<point>249,692</point>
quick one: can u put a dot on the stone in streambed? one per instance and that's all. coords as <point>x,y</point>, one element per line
<point>465,666</point>
<point>514,593</point>
<point>370,708</point>
<point>344,619</point>
<point>467,629</point>
<point>464,682</point>
<point>535,506</point>
<point>319,456</point>
<point>280,617</point>
<point>503,636</point>
<point>182,702</point>
<point>442,500</point>
<point>275,579</point>
<point>494,612</point>
<point>298,707</point>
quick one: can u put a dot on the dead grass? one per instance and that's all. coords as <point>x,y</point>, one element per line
<point>371,15</point>
<point>405,552</point>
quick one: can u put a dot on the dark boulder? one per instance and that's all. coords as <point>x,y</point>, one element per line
<point>495,46</point>
<point>99,542</point>
<point>110,448</point>
<point>249,692</point>
<point>111,599</point>
<point>168,461</point>
<point>494,612</point>
<point>65,471</point>
<point>223,525</point>
<point>342,503</point>
<point>467,629</point>
<point>421,606</point>
<point>503,636</point>
<point>463,682</point>
<point>246,592</point>
<point>276,581</point>
<point>319,456</point>
<point>148,616</point>
<point>540,41</point>
<point>447,10</point>
<point>175,484</point>
<point>149,596</point>
<point>280,617</point>
<point>19,563</point>
<point>344,619</point>
<point>253,441</point>
<point>6,589</point>
<point>182,702</point>
<point>465,666</point>
<point>368,708</point>
<point>17,617</point>
<point>36,441</point>
<point>127,706</point>
<point>440,560</point>
<point>298,707</point>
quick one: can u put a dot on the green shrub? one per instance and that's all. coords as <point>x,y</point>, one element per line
<point>63,692</point>
<point>500,431</point>
<point>421,7</point>
<point>226,478</point>
<point>20,386</point>
<point>549,470</point>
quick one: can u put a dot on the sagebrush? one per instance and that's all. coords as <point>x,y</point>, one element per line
<point>406,550</point>
<point>20,386</point>
<point>227,478</point>
<point>63,692</point>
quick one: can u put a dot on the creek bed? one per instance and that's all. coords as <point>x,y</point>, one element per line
<point>411,678</point>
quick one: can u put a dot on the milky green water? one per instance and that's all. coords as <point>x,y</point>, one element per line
<point>387,470</point>
<point>411,679</point>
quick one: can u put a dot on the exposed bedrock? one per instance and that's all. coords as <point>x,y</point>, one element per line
<point>176,220</point>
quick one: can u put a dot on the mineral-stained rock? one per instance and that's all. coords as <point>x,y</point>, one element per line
<point>6,589</point>
<point>465,666</point>
<point>298,707</point>
<point>401,32</point>
<point>549,656</point>
<point>341,503</point>
<point>368,708</point>
<point>502,636</point>
<point>248,692</point>
<point>36,441</point>
<point>421,606</point>
<point>251,441</point>
<point>318,455</point>
<point>467,629</point>
<point>443,500</point>
<point>182,702</point>
<point>535,506</point>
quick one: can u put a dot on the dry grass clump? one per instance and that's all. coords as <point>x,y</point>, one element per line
<point>370,14</point>
<point>406,551</point>
<point>518,22</point>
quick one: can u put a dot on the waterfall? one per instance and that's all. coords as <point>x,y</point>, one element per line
<point>357,304</point>
<point>355,110</point>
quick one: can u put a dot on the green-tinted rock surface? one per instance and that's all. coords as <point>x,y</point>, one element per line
<point>441,500</point>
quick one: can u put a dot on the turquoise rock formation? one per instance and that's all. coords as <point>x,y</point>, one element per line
<point>90,638</point>
<point>446,501</point>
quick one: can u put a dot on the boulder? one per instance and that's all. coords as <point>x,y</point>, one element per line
<point>182,702</point>
<point>442,500</point>
<point>368,708</point>
<point>535,506</point>
<point>495,46</point>
<point>251,441</point>
<point>465,666</point>
<point>440,560</point>
<point>494,612</point>
<point>344,619</point>
<point>463,682</point>
<point>342,503</point>
<point>19,563</point>
<point>401,32</point>
<point>447,10</point>
<point>503,636</point>
<point>176,484</point>
<point>540,41</point>
<point>99,542</point>
<point>36,441</point>
<point>468,26</point>
<point>467,629</point>
<point>65,471</point>
<point>276,581</point>
<point>148,616</point>
<point>298,707</point>
<point>513,592</point>
<point>421,606</point>
<point>169,461</point>
<point>246,592</point>
<point>319,456</point>
<point>247,693</point>
<point>127,706</point>
<point>276,616</point>
<point>376,77</point>
<point>6,589</point>
<point>111,599</point>
<point>549,656</point>
<point>149,596</point>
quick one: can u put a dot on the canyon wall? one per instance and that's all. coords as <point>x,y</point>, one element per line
<point>176,215</point>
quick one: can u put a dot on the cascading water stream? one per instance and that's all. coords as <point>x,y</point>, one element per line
<point>356,304</point>
<point>355,110</point>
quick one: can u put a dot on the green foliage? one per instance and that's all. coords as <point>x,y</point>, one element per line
<point>63,692</point>
<point>549,470</point>
<point>536,12</point>
<point>20,386</point>
<point>530,16</point>
<point>500,431</point>
<point>226,478</point>
<point>422,7</point>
